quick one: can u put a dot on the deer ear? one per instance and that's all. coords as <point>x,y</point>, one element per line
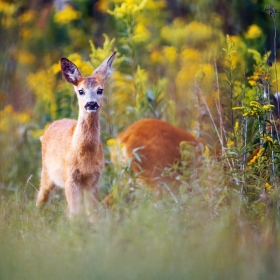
<point>105,68</point>
<point>70,71</point>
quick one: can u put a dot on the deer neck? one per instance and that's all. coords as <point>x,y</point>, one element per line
<point>86,136</point>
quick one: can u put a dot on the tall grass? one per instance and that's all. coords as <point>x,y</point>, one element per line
<point>150,239</point>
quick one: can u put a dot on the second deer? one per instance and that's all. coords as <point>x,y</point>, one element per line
<point>158,143</point>
<point>72,154</point>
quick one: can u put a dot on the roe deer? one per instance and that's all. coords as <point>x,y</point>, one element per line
<point>72,154</point>
<point>159,142</point>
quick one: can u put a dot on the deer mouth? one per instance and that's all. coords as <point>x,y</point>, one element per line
<point>91,107</point>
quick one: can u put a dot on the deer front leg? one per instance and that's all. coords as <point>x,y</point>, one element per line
<point>46,186</point>
<point>73,193</point>
<point>92,193</point>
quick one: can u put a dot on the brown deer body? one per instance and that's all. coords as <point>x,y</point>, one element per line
<point>72,154</point>
<point>159,142</point>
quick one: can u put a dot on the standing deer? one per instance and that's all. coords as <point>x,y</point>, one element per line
<point>72,154</point>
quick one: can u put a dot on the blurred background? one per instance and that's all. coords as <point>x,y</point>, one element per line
<point>168,50</point>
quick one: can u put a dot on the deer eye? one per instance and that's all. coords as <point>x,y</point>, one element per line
<point>100,91</point>
<point>81,91</point>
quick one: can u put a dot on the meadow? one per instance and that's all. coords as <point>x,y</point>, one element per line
<point>209,67</point>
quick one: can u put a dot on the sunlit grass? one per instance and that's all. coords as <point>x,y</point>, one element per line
<point>149,239</point>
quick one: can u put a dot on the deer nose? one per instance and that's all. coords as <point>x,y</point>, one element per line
<point>91,106</point>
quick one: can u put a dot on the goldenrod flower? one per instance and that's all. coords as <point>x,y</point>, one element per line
<point>268,186</point>
<point>27,17</point>
<point>255,103</point>
<point>128,8</point>
<point>170,54</point>
<point>260,152</point>
<point>83,66</point>
<point>237,108</point>
<point>206,153</point>
<point>268,107</point>
<point>8,117</point>
<point>111,142</point>
<point>25,57</point>
<point>102,5</point>
<point>268,138</point>
<point>230,143</point>
<point>66,15</point>
<point>188,55</point>
<point>8,22</point>
<point>25,33</point>
<point>42,83</point>
<point>6,8</point>
<point>253,160</point>
<point>156,57</point>
<point>236,126</point>
<point>253,32</point>
<point>55,68</point>
<point>37,133</point>
<point>142,34</point>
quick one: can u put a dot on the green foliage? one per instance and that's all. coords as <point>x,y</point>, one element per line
<point>173,64</point>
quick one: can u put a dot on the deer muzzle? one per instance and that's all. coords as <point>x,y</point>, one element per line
<point>92,106</point>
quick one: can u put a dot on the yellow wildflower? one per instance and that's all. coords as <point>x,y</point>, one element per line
<point>8,22</point>
<point>128,8</point>
<point>268,107</point>
<point>186,75</point>
<point>156,57</point>
<point>255,103</point>
<point>6,8</point>
<point>25,57</point>
<point>25,33</point>
<point>8,109</point>
<point>252,83</point>
<point>253,32</point>
<point>55,68</point>
<point>268,186</point>
<point>170,53</point>
<point>206,153</point>
<point>27,17</point>
<point>207,196</point>
<point>66,15</point>
<point>83,66</point>
<point>141,76</point>
<point>237,108</point>
<point>230,143</point>
<point>189,54</point>
<point>155,5</point>
<point>37,133</point>
<point>142,34</point>
<point>260,152</point>
<point>8,117</point>
<point>253,160</point>
<point>42,83</point>
<point>111,142</point>
<point>268,138</point>
<point>236,127</point>
<point>102,5</point>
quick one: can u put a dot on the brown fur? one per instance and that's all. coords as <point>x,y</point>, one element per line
<point>159,142</point>
<point>72,154</point>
